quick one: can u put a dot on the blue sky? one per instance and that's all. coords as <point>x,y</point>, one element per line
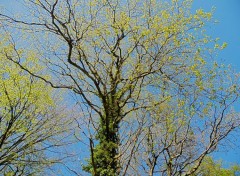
<point>228,30</point>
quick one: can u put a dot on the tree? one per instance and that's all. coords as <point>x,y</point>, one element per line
<point>30,124</point>
<point>211,167</point>
<point>151,99</point>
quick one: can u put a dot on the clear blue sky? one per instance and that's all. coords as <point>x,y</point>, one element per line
<point>228,29</point>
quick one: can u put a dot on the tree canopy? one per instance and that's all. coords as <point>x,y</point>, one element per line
<point>29,120</point>
<point>211,167</point>
<point>152,100</point>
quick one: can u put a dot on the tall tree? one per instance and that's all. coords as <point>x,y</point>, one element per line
<point>30,124</point>
<point>153,101</point>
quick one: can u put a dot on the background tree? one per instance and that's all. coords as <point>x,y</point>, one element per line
<point>30,124</point>
<point>211,167</point>
<point>151,99</point>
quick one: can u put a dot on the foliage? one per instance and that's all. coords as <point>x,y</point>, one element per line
<point>152,100</point>
<point>210,167</point>
<point>29,122</point>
